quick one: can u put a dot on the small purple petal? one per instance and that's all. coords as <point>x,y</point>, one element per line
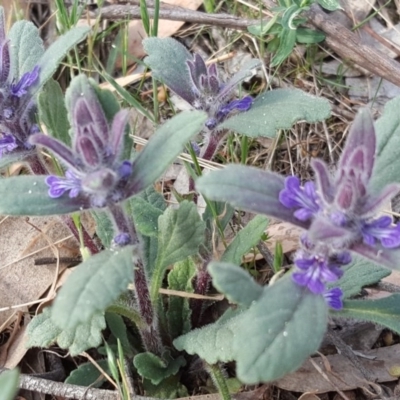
<point>122,239</point>
<point>333,298</point>
<point>26,81</point>
<point>125,170</point>
<point>7,144</point>
<point>211,123</point>
<point>383,230</point>
<point>240,105</point>
<point>305,199</point>
<point>58,185</point>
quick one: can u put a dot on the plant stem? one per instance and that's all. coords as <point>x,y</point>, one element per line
<point>219,380</point>
<point>150,332</point>
<point>202,283</point>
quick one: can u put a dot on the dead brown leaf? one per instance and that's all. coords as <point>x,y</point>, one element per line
<point>343,374</point>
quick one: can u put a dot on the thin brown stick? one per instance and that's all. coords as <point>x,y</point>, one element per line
<point>118,12</point>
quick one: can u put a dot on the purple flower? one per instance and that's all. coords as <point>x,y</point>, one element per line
<point>213,96</point>
<point>314,270</point>
<point>304,200</point>
<point>27,80</point>
<point>342,213</point>
<point>7,144</point>
<point>95,169</point>
<point>16,105</point>
<point>333,298</point>
<point>122,239</point>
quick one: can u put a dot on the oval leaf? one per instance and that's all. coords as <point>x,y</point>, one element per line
<point>93,286</point>
<point>235,283</point>
<point>28,195</point>
<point>249,189</point>
<point>278,109</point>
<point>286,325</point>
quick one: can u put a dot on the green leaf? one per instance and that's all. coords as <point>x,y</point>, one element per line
<point>104,227</point>
<point>156,369</point>
<point>9,383</point>
<point>88,375</point>
<point>384,311</point>
<point>167,59</point>
<point>289,15</point>
<point>287,41</point>
<point>358,274</point>
<point>164,146</point>
<point>42,332</point>
<point>278,109</point>
<point>26,47</point>
<point>263,28</point>
<point>178,314</point>
<point>309,36</point>
<point>118,329</point>
<point>245,240</point>
<point>278,332</point>
<point>248,189</point>
<point>53,113</point>
<point>56,52</point>
<point>180,233</point>
<point>93,286</point>
<point>387,161</point>
<point>235,283</point>
<point>30,197</point>
<point>330,5</point>
<point>169,388</point>
<point>213,342</point>
<point>145,216</point>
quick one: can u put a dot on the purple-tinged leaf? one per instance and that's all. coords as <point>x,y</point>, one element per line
<point>248,189</point>
<point>89,152</point>
<point>324,230</point>
<point>58,148</point>
<point>245,72</point>
<point>167,59</point>
<point>375,203</point>
<point>362,134</point>
<point>5,63</point>
<point>197,69</point>
<point>118,129</point>
<point>390,258</point>
<point>30,197</point>
<point>163,148</point>
<point>2,26</point>
<point>324,181</point>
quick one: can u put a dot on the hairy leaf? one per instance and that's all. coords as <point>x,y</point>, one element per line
<point>387,161</point>
<point>286,325</point>
<point>180,233</point>
<point>169,388</point>
<point>156,369</point>
<point>163,147</point>
<point>9,381</point>
<point>287,41</point>
<point>174,74</point>
<point>245,240</point>
<point>358,274</point>
<point>178,314</point>
<point>104,227</point>
<point>278,109</point>
<point>10,158</point>
<point>56,52</point>
<point>26,47</point>
<point>87,374</point>
<point>235,283</point>
<point>53,113</point>
<point>213,342</point>
<point>145,216</point>
<point>42,332</point>
<point>93,286</point>
<point>118,328</point>
<point>30,197</point>
<point>249,189</point>
<point>384,311</point>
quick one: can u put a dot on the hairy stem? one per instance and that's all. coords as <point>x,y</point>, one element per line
<point>219,380</point>
<point>202,283</point>
<point>150,332</point>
